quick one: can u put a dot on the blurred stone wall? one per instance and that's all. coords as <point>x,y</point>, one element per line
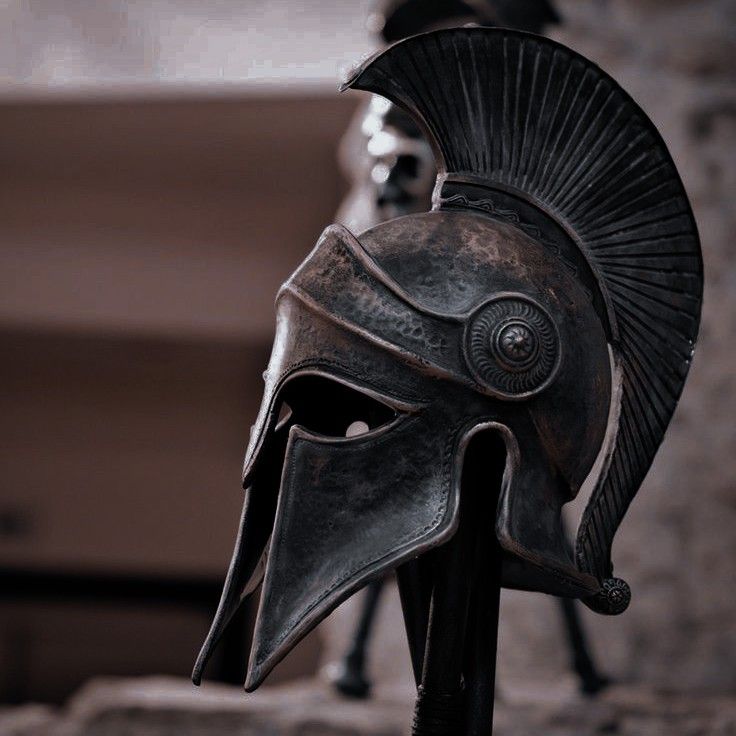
<point>677,546</point>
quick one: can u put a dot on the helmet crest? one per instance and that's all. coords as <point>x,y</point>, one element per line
<point>527,130</point>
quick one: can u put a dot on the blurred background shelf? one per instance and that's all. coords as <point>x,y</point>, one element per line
<point>64,49</point>
<point>142,242</point>
<point>162,217</point>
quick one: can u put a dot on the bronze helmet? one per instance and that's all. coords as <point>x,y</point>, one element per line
<point>553,291</point>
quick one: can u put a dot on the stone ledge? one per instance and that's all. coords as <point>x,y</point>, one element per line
<point>28,720</point>
<point>161,706</point>
<point>158,706</point>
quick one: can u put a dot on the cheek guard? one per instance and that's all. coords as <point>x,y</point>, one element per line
<point>556,284</point>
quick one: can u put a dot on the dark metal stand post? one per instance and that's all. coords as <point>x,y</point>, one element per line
<point>480,654</point>
<point>415,589</point>
<point>482,640</point>
<point>458,679</point>
<point>484,467</point>
<point>439,706</point>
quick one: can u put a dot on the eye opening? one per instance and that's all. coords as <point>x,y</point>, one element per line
<point>356,428</point>
<point>285,414</point>
<point>331,408</point>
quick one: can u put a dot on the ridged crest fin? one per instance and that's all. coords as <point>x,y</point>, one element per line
<point>526,115</point>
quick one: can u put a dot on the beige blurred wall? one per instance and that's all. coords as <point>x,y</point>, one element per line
<point>142,242</point>
<point>164,167</point>
<point>677,546</point>
<point>141,246</point>
<point>62,47</point>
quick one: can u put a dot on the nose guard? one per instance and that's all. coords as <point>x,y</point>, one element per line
<point>342,520</point>
<point>327,518</point>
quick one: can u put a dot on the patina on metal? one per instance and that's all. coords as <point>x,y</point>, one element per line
<point>391,169</point>
<point>555,283</point>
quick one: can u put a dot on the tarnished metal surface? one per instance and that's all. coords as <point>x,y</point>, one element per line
<point>538,129</point>
<point>559,236</point>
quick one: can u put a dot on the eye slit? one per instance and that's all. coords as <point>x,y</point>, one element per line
<point>285,413</point>
<point>330,408</point>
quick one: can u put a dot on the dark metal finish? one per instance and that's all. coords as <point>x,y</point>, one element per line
<point>388,161</point>
<point>568,141</point>
<point>415,588</point>
<point>559,232</point>
<point>458,670</point>
<point>439,706</point>
<point>485,465</point>
<point>350,677</point>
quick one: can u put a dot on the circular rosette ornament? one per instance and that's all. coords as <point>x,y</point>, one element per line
<point>512,346</point>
